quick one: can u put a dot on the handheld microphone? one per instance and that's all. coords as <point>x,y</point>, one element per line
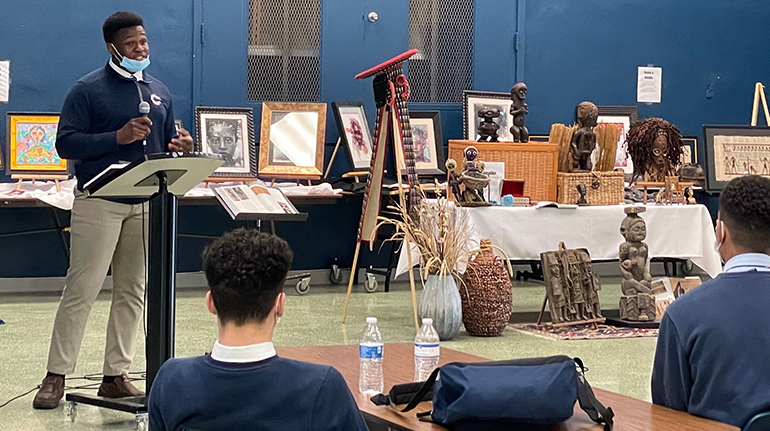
<point>144,109</point>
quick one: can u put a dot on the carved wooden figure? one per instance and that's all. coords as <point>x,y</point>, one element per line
<point>487,126</point>
<point>583,140</point>
<point>571,287</point>
<point>473,180</point>
<point>518,110</point>
<point>637,302</point>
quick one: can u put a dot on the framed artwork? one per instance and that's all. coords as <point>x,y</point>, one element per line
<point>355,133</point>
<point>539,138</point>
<point>623,116</point>
<point>32,144</point>
<point>689,150</point>
<point>733,151</point>
<point>474,101</point>
<point>292,140</point>
<point>427,143</point>
<point>229,133</point>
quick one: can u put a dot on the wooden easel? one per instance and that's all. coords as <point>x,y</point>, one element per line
<point>356,175</point>
<point>759,93</point>
<point>55,177</point>
<point>220,180</point>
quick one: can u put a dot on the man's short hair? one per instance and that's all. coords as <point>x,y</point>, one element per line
<point>744,207</point>
<point>119,21</point>
<point>245,270</point>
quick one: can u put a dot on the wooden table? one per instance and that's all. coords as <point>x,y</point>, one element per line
<point>630,414</point>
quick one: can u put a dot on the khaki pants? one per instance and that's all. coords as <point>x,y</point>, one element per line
<point>102,232</point>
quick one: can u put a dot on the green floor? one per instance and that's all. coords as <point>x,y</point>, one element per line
<point>622,365</point>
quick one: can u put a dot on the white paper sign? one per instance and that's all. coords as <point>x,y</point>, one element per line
<point>5,80</point>
<point>496,172</point>
<point>649,84</point>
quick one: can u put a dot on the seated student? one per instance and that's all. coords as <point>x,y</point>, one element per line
<point>712,355</point>
<point>242,384</point>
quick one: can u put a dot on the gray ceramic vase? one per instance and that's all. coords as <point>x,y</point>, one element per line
<point>440,301</point>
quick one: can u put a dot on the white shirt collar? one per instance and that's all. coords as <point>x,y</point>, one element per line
<point>139,76</point>
<point>748,262</point>
<point>242,354</point>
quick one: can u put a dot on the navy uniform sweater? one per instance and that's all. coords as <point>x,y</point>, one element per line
<point>713,354</point>
<point>274,394</point>
<point>97,106</point>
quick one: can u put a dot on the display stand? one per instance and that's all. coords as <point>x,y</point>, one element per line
<point>161,177</point>
<point>56,178</point>
<point>220,180</point>
<point>759,93</point>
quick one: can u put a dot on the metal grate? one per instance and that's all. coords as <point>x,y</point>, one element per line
<point>284,39</point>
<point>442,30</point>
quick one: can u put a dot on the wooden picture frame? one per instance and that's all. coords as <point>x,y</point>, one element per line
<point>689,150</point>
<point>292,140</point>
<point>624,117</point>
<point>734,151</point>
<point>427,142</point>
<point>473,101</point>
<point>229,133</point>
<point>31,144</point>
<point>355,133</point>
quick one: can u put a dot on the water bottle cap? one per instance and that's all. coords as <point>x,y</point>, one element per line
<point>427,321</point>
<point>371,320</point>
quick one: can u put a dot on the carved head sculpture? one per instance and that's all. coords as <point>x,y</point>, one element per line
<point>451,165</point>
<point>471,153</point>
<point>633,228</point>
<point>519,91</point>
<point>654,145</point>
<point>488,113</point>
<point>587,114</point>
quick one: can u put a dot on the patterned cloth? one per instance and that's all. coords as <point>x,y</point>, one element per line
<point>584,332</point>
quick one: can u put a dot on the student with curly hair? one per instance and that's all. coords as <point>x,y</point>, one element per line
<point>711,358</point>
<point>655,147</point>
<point>242,384</point>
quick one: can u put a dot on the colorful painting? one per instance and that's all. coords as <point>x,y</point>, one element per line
<point>32,143</point>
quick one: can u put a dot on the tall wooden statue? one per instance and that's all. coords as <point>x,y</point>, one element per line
<point>391,91</point>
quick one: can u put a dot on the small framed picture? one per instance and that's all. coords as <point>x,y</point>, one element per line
<point>32,144</point>
<point>689,150</point>
<point>229,133</point>
<point>734,151</point>
<point>475,101</point>
<point>355,133</point>
<point>427,143</point>
<point>624,117</point>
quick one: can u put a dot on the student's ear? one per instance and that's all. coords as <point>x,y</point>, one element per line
<point>210,303</point>
<point>279,304</point>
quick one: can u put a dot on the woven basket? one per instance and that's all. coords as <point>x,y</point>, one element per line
<point>486,294</point>
<point>535,163</point>
<point>602,188</point>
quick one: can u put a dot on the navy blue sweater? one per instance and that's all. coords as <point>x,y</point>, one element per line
<point>713,354</point>
<point>274,394</point>
<point>97,106</point>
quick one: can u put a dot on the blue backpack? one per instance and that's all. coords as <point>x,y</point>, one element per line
<point>494,395</point>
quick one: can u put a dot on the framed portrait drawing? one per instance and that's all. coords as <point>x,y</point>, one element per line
<point>229,133</point>
<point>354,133</point>
<point>733,151</point>
<point>474,101</point>
<point>689,150</point>
<point>623,116</point>
<point>291,143</point>
<point>427,143</point>
<point>32,144</point>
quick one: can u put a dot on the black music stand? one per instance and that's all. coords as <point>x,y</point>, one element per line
<point>161,177</point>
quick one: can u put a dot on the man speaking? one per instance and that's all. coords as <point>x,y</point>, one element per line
<point>105,119</point>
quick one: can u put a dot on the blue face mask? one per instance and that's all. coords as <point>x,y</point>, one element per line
<point>131,65</point>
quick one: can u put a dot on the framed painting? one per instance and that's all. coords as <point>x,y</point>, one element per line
<point>291,143</point>
<point>32,144</point>
<point>733,151</point>
<point>623,116</point>
<point>228,133</point>
<point>474,101</point>
<point>427,143</point>
<point>689,150</point>
<point>355,133</point>
<point>539,138</point>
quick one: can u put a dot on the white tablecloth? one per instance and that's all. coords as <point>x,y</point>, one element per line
<point>676,231</point>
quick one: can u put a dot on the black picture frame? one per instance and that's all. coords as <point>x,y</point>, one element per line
<point>715,178</point>
<point>502,100</point>
<point>247,167</point>
<point>428,119</point>
<point>356,159</point>
<point>692,144</point>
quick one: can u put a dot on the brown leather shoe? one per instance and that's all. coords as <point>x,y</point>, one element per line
<point>119,388</point>
<point>50,393</point>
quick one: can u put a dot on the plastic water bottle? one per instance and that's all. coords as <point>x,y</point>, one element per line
<point>370,348</point>
<point>426,351</point>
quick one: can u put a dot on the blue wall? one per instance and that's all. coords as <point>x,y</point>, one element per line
<point>569,51</point>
